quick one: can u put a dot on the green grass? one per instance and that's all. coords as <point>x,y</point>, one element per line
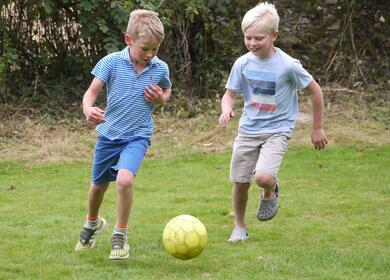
<point>333,221</point>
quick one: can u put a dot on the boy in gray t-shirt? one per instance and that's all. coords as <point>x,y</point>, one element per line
<point>268,79</point>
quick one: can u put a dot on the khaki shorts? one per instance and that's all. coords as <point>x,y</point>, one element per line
<point>263,152</point>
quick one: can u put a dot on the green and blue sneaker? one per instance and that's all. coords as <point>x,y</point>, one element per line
<point>119,247</point>
<point>88,236</point>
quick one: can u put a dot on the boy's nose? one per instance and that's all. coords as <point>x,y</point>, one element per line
<point>149,54</point>
<point>251,43</point>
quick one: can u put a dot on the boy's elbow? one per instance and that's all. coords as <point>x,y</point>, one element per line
<point>166,95</point>
<point>229,95</point>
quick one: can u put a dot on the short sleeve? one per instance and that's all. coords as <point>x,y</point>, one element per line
<point>103,68</point>
<point>299,75</point>
<point>165,81</point>
<point>234,82</point>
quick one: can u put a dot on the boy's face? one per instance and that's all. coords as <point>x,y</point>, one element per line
<point>143,49</point>
<point>260,43</point>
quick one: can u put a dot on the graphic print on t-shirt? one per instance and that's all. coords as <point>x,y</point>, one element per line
<point>262,90</point>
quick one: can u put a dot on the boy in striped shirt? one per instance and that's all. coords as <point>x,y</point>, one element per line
<point>135,79</point>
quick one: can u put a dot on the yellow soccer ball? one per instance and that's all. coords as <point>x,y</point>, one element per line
<point>184,237</point>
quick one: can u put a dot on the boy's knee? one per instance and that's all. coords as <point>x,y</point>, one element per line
<point>124,179</point>
<point>99,189</point>
<point>264,180</point>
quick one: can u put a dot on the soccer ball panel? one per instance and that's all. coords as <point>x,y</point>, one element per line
<point>192,239</point>
<point>184,237</point>
<point>169,246</point>
<point>194,252</point>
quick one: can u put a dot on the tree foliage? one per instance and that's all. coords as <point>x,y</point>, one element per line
<point>48,47</point>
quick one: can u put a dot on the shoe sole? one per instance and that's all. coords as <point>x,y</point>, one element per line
<point>118,258</point>
<point>236,241</point>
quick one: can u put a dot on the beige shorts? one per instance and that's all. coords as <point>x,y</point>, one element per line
<point>262,152</point>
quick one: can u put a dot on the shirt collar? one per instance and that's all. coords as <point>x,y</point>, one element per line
<point>125,54</point>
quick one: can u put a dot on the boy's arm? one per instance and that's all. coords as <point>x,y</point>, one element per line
<point>227,107</point>
<point>318,137</point>
<point>93,115</point>
<point>166,94</point>
<point>156,94</point>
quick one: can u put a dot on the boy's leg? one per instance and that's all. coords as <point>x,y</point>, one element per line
<point>124,203</point>
<point>129,163</point>
<point>94,225</point>
<point>244,158</point>
<point>267,168</point>
<point>119,246</point>
<point>95,198</point>
<point>267,182</point>
<point>240,199</point>
<point>106,154</point>
<point>269,161</point>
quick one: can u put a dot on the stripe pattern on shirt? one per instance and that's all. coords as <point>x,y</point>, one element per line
<point>127,112</point>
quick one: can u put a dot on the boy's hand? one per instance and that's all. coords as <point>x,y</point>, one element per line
<point>225,117</point>
<point>153,93</point>
<point>94,115</point>
<point>318,138</point>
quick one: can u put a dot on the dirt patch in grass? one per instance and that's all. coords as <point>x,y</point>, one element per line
<point>37,140</point>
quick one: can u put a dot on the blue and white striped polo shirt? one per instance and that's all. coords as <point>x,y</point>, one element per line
<point>128,114</point>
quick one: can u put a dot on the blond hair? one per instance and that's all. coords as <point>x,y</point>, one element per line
<point>145,23</point>
<point>264,16</point>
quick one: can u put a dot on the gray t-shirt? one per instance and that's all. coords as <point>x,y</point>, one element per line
<point>269,87</point>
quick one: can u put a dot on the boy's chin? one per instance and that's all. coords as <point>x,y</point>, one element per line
<point>259,54</point>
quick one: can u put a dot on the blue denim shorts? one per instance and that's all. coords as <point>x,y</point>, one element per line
<point>113,155</point>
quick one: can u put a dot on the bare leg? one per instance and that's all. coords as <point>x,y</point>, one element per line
<point>124,182</point>
<point>95,198</point>
<point>267,182</point>
<point>90,233</point>
<point>240,199</point>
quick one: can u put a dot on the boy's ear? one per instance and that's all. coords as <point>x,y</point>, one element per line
<point>275,36</point>
<point>128,39</point>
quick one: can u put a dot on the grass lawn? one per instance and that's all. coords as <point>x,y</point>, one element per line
<point>333,221</point>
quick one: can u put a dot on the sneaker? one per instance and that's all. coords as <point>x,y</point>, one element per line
<point>238,234</point>
<point>119,247</point>
<point>88,236</point>
<point>268,208</point>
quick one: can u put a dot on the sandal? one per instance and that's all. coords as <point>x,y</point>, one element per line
<point>268,208</point>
